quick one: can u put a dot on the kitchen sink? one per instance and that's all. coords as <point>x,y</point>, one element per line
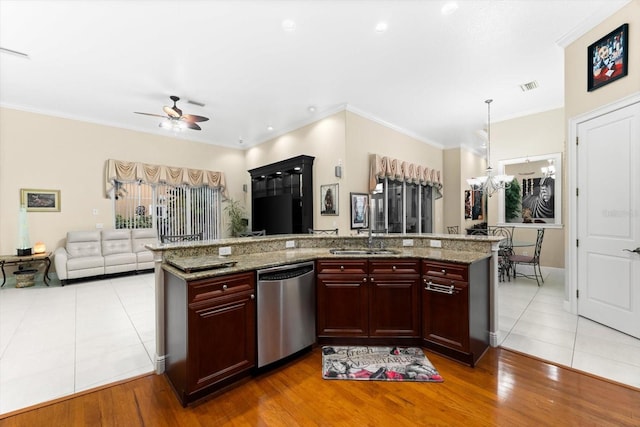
<point>363,251</point>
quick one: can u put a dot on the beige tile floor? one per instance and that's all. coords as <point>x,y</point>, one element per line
<point>58,341</point>
<point>533,321</point>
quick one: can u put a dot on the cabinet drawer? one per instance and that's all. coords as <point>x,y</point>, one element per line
<point>394,266</point>
<point>200,290</point>
<point>445,270</point>
<point>345,266</point>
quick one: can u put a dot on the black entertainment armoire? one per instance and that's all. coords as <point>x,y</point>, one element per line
<point>282,196</point>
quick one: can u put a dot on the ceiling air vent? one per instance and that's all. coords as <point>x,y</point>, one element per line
<point>529,86</point>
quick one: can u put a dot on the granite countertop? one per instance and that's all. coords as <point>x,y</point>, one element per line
<point>204,266</point>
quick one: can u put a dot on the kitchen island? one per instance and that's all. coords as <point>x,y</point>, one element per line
<point>466,271</point>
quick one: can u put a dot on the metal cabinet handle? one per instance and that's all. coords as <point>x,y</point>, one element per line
<point>364,279</point>
<point>433,287</point>
<point>224,287</point>
<point>253,296</point>
<point>444,271</point>
<point>342,268</point>
<point>636,250</point>
<point>393,268</point>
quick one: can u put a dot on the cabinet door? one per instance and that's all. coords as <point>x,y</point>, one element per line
<point>342,305</point>
<point>445,312</point>
<point>394,306</point>
<point>221,339</point>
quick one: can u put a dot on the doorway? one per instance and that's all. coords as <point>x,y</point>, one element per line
<point>604,272</point>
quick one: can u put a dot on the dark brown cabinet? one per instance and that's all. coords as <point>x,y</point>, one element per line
<point>342,299</point>
<point>373,300</point>
<point>282,196</point>
<point>455,309</point>
<point>209,332</point>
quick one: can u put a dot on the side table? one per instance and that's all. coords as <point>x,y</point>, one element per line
<point>20,260</point>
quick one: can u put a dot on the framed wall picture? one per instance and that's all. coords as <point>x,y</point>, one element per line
<point>40,200</point>
<point>329,199</point>
<point>359,210</point>
<point>607,58</point>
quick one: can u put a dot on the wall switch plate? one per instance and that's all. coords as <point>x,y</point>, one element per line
<point>407,242</point>
<point>436,243</point>
<point>99,225</point>
<point>95,211</point>
<point>290,244</point>
<point>224,251</point>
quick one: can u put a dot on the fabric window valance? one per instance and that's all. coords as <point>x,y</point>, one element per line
<point>398,170</point>
<point>123,171</point>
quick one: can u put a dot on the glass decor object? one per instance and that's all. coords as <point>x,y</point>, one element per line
<point>24,243</point>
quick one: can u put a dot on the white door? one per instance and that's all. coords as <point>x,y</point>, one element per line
<point>608,218</point>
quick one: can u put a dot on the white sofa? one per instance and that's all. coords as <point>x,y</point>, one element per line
<point>98,253</point>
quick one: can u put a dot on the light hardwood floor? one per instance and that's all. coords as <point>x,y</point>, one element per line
<point>505,389</point>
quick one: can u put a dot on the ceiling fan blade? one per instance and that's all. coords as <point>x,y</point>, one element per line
<point>172,111</point>
<point>192,126</point>
<point>149,114</point>
<point>192,118</point>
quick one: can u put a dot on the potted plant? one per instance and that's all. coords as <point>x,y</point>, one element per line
<point>512,201</point>
<point>237,222</point>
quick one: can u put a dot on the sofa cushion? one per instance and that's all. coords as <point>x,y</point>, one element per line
<point>141,237</point>
<point>83,244</point>
<point>85,262</point>
<point>120,259</point>
<point>116,242</point>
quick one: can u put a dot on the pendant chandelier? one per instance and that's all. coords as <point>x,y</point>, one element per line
<point>489,183</point>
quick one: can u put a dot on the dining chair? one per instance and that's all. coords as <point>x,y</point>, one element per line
<point>168,238</point>
<point>453,229</point>
<point>253,233</point>
<point>533,260</point>
<point>505,251</point>
<point>323,231</point>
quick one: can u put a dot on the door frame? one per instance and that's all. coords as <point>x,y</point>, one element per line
<point>571,251</point>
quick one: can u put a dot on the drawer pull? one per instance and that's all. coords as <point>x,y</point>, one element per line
<point>224,287</point>
<point>393,268</point>
<point>342,268</point>
<point>443,289</point>
<point>364,279</point>
<point>444,271</point>
<point>253,296</point>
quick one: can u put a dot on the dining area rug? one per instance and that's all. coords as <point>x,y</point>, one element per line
<point>377,363</point>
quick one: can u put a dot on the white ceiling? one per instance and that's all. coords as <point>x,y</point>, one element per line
<point>427,75</point>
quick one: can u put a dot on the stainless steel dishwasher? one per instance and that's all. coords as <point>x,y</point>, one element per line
<point>286,311</point>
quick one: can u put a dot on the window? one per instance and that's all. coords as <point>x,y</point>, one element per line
<point>171,210</point>
<point>402,207</point>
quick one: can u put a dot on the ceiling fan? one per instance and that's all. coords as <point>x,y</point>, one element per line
<point>175,119</point>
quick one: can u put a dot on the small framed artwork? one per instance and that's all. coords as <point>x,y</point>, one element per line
<point>40,200</point>
<point>607,58</point>
<point>359,210</point>
<point>329,199</point>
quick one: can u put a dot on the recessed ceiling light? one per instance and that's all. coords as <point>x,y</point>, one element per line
<point>240,141</point>
<point>449,7</point>
<point>288,25</point>
<point>269,128</point>
<point>381,27</point>
<point>312,109</point>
